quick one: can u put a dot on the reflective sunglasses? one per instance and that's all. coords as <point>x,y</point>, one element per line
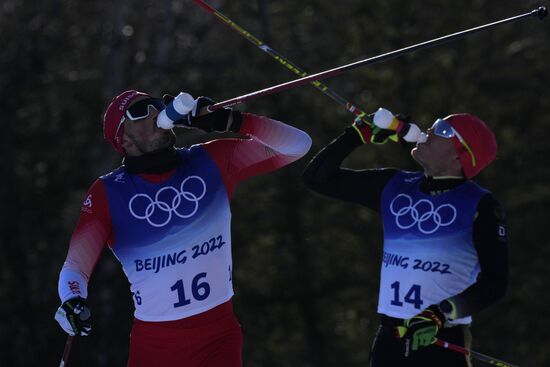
<point>443,129</point>
<point>140,110</point>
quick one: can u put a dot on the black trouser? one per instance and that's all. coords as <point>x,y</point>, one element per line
<point>388,351</point>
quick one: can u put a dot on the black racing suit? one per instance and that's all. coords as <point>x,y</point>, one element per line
<point>324,175</point>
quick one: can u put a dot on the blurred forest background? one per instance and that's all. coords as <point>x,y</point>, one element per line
<point>306,266</point>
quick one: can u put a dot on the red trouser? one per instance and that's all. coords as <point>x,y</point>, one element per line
<point>210,339</point>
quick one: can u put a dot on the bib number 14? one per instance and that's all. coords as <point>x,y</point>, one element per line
<point>413,295</point>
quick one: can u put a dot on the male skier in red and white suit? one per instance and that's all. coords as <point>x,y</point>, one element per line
<point>165,214</point>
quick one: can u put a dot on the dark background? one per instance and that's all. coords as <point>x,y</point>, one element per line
<point>306,267</point>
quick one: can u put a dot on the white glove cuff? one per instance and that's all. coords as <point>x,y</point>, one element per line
<point>72,283</point>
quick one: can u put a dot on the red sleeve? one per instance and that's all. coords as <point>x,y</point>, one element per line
<point>270,145</point>
<point>92,231</point>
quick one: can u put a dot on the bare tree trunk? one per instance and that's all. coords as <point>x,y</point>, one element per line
<point>306,297</point>
<point>16,331</point>
<point>162,41</point>
<point>109,285</point>
<point>117,60</point>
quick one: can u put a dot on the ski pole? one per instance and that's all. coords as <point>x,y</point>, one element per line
<point>66,352</point>
<point>283,60</point>
<point>473,354</point>
<point>540,13</point>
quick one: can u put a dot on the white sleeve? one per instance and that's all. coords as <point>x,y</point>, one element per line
<point>72,283</point>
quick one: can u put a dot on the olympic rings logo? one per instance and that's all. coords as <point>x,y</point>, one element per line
<point>184,204</point>
<point>422,214</point>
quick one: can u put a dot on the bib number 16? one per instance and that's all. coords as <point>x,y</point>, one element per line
<point>413,295</point>
<point>200,290</point>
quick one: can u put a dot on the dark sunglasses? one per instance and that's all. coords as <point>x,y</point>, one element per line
<point>140,110</point>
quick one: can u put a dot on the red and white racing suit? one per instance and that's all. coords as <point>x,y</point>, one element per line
<point>171,233</point>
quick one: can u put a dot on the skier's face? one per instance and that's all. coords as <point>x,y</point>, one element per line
<point>143,136</point>
<point>437,155</point>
